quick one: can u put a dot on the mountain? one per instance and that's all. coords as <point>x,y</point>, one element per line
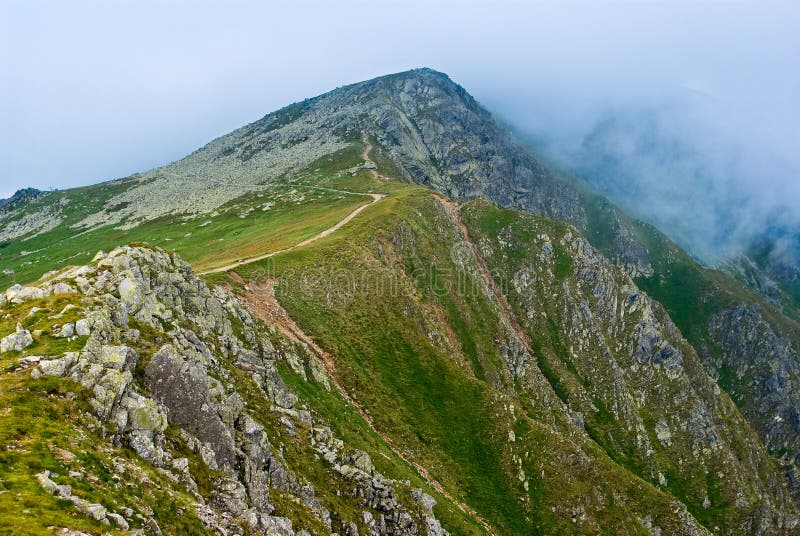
<point>377,312</point>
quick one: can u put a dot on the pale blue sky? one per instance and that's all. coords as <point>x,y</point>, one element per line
<point>97,90</point>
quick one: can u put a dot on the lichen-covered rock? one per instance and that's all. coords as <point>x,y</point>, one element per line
<point>82,327</point>
<point>19,294</point>
<point>57,367</point>
<point>278,526</point>
<point>130,292</point>
<point>761,370</point>
<point>17,341</point>
<point>46,483</point>
<point>120,522</point>
<point>67,330</point>
<point>184,388</point>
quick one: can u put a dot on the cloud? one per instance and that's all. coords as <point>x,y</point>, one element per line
<point>689,162</point>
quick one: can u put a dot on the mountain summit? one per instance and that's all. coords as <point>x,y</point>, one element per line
<point>377,312</point>
<point>433,129</point>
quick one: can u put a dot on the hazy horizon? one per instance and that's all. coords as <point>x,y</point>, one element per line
<point>92,92</point>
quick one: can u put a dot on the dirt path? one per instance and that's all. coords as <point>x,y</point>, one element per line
<point>365,156</point>
<point>453,212</point>
<point>367,149</point>
<point>375,198</point>
<point>260,299</point>
<point>323,234</point>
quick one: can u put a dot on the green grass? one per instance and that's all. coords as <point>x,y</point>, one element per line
<point>298,211</point>
<point>45,424</point>
<point>384,356</point>
<point>41,324</point>
<point>348,424</point>
<point>46,430</point>
<point>427,365</point>
<point>298,456</point>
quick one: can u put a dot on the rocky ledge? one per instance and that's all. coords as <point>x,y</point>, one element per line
<point>166,355</point>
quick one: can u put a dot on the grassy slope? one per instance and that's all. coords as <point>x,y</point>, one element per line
<point>51,427</point>
<point>691,293</point>
<point>46,424</point>
<point>349,425</point>
<point>447,407</point>
<point>297,212</point>
<point>383,351</point>
<point>286,223</point>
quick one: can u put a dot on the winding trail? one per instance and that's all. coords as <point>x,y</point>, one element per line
<point>323,234</point>
<point>375,198</point>
<point>365,156</point>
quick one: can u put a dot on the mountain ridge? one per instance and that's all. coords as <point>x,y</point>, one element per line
<point>554,345</point>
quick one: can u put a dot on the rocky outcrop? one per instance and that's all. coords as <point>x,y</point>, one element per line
<point>745,269</point>
<point>187,382</point>
<point>94,510</point>
<point>771,265</point>
<point>630,379</point>
<point>30,224</point>
<point>20,197</point>
<point>760,369</point>
<point>19,340</point>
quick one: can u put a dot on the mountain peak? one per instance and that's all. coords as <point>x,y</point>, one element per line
<point>20,197</point>
<point>419,73</point>
<point>408,82</point>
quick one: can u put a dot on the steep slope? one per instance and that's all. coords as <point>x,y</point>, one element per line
<point>438,135</point>
<point>404,307</point>
<point>771,266</point>
<point>619,362</point>
<point>161,408</point>
<point>432,130</point>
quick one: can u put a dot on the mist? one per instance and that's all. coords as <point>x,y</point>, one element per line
<point>673,163</point>
<point>92,90</point>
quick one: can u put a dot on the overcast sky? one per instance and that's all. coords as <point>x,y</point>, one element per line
<point>97,90</point>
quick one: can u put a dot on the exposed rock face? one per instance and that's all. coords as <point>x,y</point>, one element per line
<point>31,224</point>
<point>758,279</point>
<point>20,197</point>
<point>616,357</point>
<point>771,265</point>
<point>761,371</point>
<point>185,388</point>
<point>439,135</point>
<point>189,383</point>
